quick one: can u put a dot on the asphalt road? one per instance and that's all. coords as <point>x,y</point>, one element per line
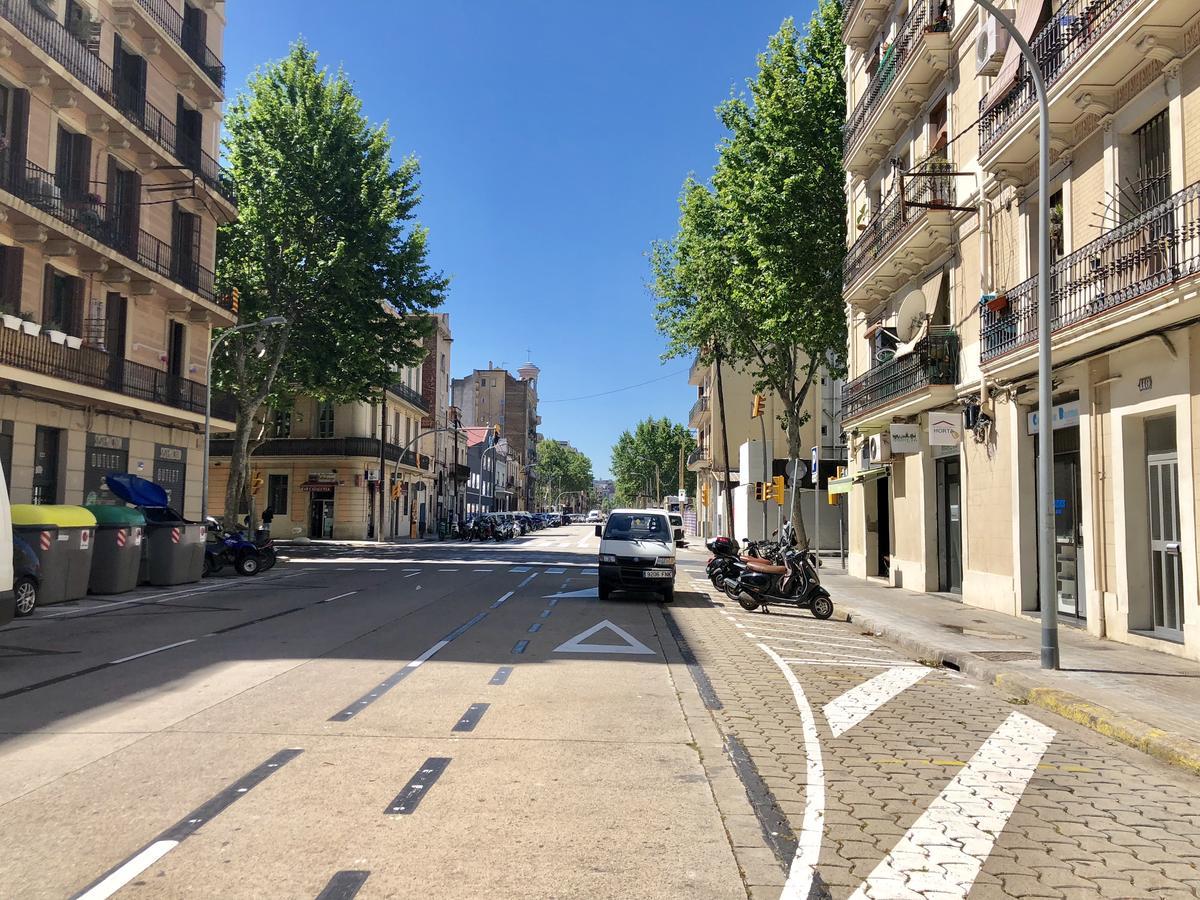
<point>455,720</point>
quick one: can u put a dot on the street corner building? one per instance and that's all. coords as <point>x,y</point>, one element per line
<point>110,196</point>
<point>940,283</point>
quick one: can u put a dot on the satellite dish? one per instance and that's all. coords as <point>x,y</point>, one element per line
<point>909,312</point>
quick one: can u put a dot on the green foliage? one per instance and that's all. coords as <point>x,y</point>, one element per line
<point>560,470</point>
<point>635,456</point>
<point>324,236</point>
<point>756,267</point>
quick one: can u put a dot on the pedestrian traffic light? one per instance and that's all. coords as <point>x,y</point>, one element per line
<point>757,409</point>
<point>777,489</point>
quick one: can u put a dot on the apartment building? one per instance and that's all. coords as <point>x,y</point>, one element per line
<point>940,284</point>
<point>493,468</point>
<point>110,196</point>
<point>492,396</point>
<point>822,430</point>
<point>445,421</point>
<point>320,470</point>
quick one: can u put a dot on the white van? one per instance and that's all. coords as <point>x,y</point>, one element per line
<point>637,553</point>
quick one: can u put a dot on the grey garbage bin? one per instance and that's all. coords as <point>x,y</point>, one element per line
<point>117,557</point>
<point>173,551</point>
<point>61,537</point>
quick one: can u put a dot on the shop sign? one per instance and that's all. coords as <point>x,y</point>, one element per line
<point>945,429</point>
<point>318,488</point>
<point>1063,415</point>
<point>108,442</point>
<point>905,439</point>
<point>165,453</point>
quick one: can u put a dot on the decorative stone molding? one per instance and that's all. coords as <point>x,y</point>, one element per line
<point>117,275</point>
<point>60,247</point>
<point>30,234</point>
<point>64,98</point>
<point>36,76</point>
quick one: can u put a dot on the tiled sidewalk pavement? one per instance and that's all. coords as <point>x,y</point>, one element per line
<point>1124,691</point>
<point>1095,819</point>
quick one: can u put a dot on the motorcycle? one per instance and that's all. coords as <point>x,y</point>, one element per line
<point>233,548</point>
<point>795,582</point>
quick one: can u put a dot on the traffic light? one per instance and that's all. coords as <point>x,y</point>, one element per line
<point>757,409</point>
<point>234,300</point>
<point>777,489</point>
<point>704,494</point>
<point>256,483</point>
<point>760,490</point>
<point>396,490</point>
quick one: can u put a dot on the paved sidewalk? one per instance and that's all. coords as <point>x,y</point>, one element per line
<point>1140,697</point>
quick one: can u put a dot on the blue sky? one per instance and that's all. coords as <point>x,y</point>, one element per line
<point>553,139</point>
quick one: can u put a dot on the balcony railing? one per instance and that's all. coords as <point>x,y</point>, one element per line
<point>91,215</point>
<point>335,446</point>
<point>700,406</point>
<point>933,361</point>
<point>931,185</point>
<point>700,454</point>
<point>57,41</point>
<point>1074,27</point>
<point>408,395</point>
<point>1151,250</point>
<point>696,369</point>
<point>93,368</point>
<point>189,40</point>
<point>923,18</point>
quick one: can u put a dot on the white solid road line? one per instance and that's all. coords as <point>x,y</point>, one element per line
<point>942,853</point>
<point>812,825</point>
<point>427,654</point>
<point>859,702</point>
<point>126,659</point>
<point>339,596</point>
<point>843,663</point>
<point>816,642</point>
<point>130,870</point>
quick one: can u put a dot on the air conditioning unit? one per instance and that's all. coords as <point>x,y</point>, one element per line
<point>880,448</point>
<point>990,45</point>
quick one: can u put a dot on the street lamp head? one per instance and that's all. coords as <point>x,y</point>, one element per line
<point>270,321</point>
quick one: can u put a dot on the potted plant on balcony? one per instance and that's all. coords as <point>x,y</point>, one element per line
<point>55,332</point>
<point>29,325</point>
<point>996,303</point>
<point>11,320</point>
<point>74,342</point>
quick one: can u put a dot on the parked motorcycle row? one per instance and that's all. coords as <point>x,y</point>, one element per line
<point>502,526</point>
<point>766,573</point>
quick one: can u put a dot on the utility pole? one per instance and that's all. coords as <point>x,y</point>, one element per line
<point>382,461</point>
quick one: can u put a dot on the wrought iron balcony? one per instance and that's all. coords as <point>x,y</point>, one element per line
<point>191,41</point>
<point>933,361</point>
<point>925,188</point>
<point>93,368</point>
<point>698,409</point>
<point>1073,28</point>
<point>923,19</point>
<point>57,41</point>
<point>1153,249</point>
<point>87,213</point>
<point>697,457</point>
<point>408,395</point>
<point>335,446</point>
<point>696,372</point>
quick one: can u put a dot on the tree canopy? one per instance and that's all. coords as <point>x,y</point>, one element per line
<point>645,461</point>
<point>561,469</point>
<point>326,238</point>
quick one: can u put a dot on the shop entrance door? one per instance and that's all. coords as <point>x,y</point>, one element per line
<point>1068,536</point>
<point>320,518</point>
<point>949,520</point>
<point>1166,563</point>
<point>883,510</point>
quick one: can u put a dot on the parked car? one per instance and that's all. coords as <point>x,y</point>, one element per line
<point>8,600</point>
<point>677,527</point>
<point>27,577</point>
<point>594,516</point>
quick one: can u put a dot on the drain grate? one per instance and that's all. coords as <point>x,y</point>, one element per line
<point>1005,655</point>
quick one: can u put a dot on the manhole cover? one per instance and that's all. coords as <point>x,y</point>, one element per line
<point>1005,655</point>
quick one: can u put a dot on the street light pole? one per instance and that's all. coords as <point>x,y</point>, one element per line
<point>1045,468</point>
<point>268,322</point>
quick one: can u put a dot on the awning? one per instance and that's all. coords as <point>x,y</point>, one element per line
<point>844,484</point>
<point>1028,13</point>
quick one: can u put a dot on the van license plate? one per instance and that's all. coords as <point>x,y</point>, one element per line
<point>658,573</point>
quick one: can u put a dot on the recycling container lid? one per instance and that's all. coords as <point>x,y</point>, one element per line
<point>135,489</point>
<point>106,514</point>
<point>57,516</point>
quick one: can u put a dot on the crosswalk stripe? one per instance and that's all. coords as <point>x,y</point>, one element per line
<point>859,702</point>
<point>943,852</point>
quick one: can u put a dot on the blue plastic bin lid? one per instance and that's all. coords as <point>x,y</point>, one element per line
<point>135,489</point>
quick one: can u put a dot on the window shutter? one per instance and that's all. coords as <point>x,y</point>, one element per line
<point>112,194</point>
<point>134,206</point>
<point>48,295</point>
<point>18,140</point>
<point>78,302</point>
<point>83,165</point>
<point>14,273</point>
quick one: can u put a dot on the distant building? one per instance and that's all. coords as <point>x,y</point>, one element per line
<point>604,487</point>
<point>449,448</point>
<point>493,396</point>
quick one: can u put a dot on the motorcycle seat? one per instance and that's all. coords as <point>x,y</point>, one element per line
<point>759,565</point>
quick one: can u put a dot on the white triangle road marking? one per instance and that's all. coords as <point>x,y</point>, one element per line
<point>859,702</point>
<point>577,645</point>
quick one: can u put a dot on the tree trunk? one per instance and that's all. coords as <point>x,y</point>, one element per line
<point>239,464</point>
<point>724,445</point>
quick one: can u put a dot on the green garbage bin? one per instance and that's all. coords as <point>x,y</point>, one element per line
<point>61,536</point>
<point>117,556</point>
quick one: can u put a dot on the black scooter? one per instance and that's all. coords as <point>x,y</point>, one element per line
<point>794,583</point>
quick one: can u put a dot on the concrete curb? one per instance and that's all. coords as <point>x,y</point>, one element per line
<point>1168,747</point>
